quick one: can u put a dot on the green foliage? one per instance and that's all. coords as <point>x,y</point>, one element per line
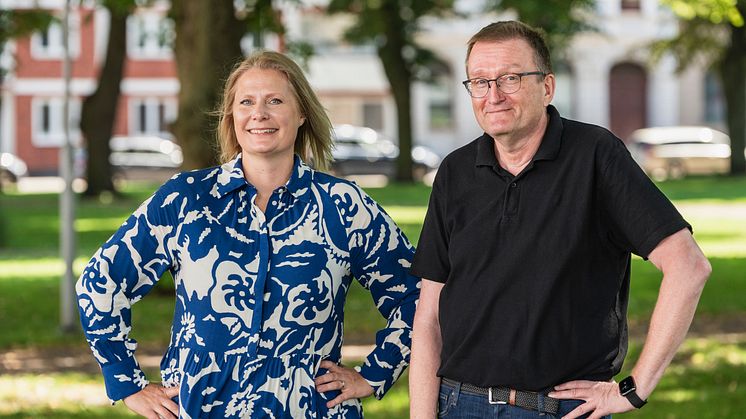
<point>20,23</point>
<point>378,20</point>
<point>698,38</point>
<point>715,11</point>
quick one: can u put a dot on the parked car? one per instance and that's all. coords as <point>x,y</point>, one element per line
<point>140,157</point>
<point>674,152</point>
<point>12,168</point>
<point>144,157</point>
<point>364,151</point>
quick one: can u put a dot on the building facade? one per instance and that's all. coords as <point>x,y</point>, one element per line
<point>604,77</point>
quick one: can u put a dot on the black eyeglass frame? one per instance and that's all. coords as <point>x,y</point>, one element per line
<point>495,80</point>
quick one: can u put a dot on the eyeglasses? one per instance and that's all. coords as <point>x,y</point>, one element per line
<point>507,83</point>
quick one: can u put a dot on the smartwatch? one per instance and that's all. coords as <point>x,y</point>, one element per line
<point>628,389</point>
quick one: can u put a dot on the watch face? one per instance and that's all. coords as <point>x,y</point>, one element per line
<point>626,386</point>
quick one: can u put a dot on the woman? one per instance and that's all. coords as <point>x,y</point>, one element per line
<point>262,250</point>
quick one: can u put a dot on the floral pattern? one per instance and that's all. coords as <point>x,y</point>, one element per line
<point>259,295</point>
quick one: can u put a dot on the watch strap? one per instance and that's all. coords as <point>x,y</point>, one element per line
<point>636,401</point>
<point>628,389</point>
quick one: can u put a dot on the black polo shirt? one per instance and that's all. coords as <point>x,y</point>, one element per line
<point>537,266</point>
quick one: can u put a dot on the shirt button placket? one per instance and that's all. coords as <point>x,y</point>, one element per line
<point>261,281</point>
<point>510,205</point>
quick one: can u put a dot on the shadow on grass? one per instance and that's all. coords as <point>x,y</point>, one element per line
<point>705,380</point>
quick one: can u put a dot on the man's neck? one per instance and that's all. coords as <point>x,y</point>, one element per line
<point>513,152</point>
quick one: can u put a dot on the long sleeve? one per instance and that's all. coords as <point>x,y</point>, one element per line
<point>121,272</point>
<point>381,256</point>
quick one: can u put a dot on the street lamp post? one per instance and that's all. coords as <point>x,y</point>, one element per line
<point>68,306</point>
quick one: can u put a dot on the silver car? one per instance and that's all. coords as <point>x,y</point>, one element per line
<point>364,151</point>
<point>674,152</point>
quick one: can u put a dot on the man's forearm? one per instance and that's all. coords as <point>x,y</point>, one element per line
<point>427,342</point>
<point>684,278</point>
<point>424,384</point>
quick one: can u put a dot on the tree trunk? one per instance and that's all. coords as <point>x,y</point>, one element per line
<point>208,43</point>
<point>733,74</point>
<point>99,110</point>
<point>400,79</point>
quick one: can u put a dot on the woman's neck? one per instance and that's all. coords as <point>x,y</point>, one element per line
<point>266,175</point>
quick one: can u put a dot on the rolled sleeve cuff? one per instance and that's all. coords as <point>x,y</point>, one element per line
<point>383,367</point>
<point>123,378</point>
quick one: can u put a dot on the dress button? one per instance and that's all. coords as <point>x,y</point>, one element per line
<point>513,185</point>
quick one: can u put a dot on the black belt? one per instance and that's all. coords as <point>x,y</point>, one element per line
<point>504,395</point>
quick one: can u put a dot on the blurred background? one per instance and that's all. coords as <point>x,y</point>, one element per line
<point>102,100</point>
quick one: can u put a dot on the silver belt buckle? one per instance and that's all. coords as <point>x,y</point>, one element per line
<point>489,397</point>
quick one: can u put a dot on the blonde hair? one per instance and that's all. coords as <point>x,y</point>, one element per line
<point>314,139</point>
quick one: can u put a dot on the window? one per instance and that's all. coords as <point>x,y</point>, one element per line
<point>47,121</point>
<point>50,45</point>
<point>150,35</point>
<point>373,115</point>
<point>440,104</point>
<point>714,100</point>
<point>630,4</point>
<point>151,115</point>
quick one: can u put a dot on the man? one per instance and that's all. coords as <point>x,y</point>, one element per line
<point>525,254</point>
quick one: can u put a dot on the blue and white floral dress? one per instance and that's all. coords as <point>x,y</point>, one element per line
<point>259,295</point>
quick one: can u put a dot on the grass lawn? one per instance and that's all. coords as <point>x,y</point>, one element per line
<point>704,381</point>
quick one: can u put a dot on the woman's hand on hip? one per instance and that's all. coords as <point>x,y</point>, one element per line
<point>154,402</point>
<point>347,381</point>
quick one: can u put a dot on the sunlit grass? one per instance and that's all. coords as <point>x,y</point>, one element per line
<point>720,229</point>
<point>110,224</point>
<point>36,269</point>
<point>58,395</point>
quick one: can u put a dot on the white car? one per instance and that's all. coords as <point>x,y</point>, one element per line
<point>12,168</point>
<point>145,157</point>
<point>674,152</point>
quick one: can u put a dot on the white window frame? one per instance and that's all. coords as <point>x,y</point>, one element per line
<point>149,27</point>
<point>55,136</point>
<point>55,49</point>
<point>152,121</point>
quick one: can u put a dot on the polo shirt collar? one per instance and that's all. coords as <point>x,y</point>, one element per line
<point>552,140</point>
<point>231,178</point>
<point>548,149</point>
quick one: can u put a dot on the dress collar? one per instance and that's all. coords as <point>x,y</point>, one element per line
<point>231,177</point>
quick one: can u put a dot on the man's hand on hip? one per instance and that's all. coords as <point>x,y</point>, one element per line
<point>601,398</point>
